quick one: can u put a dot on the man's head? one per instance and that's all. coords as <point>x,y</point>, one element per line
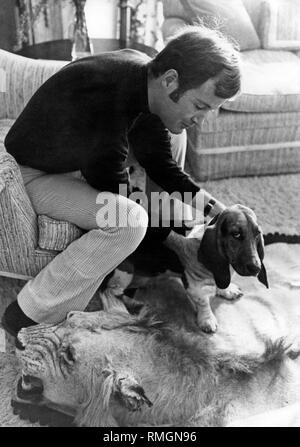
<point>196,72</point>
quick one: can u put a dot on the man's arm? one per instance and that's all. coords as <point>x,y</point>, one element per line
<point>151,145</point>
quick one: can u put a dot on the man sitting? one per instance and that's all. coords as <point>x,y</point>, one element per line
<point>71,143</point>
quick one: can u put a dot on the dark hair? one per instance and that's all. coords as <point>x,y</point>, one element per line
<point>199,53</point>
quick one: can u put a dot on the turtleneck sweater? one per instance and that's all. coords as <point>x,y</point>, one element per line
<point>87,115</point>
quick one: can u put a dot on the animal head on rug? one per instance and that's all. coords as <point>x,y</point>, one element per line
<point>104,366</point>
<point>233,238</point>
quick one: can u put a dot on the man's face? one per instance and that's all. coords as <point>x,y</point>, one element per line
<point>191,108</point>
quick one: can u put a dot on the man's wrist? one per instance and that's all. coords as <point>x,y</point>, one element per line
<point>208,207</point>
<point>205,203</point>
<point>214,207</point>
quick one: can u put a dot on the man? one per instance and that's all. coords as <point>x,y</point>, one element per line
<point>71,142</point>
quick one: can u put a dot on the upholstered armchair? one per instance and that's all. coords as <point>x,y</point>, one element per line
<point>28,242</point>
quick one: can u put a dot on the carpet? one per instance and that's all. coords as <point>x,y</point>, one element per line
<point>244,326</point>
<point>274,199</point>
<point>8,381</point>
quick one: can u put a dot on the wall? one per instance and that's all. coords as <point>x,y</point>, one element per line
<point>102,18</point>
<point>57,24</point>
<point>7,25</point>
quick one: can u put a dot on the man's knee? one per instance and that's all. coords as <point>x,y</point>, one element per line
<point>125,217</point>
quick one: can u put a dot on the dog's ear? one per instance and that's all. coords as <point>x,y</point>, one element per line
<point>210,254</point>
<point>262,276</point>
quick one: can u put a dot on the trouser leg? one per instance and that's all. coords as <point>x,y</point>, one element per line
<point>70,280</point>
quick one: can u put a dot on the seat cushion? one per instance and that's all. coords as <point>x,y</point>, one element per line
<point>270,83</point>
<point>56,234</point>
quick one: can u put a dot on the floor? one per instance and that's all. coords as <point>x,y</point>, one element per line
<point>9,289</point>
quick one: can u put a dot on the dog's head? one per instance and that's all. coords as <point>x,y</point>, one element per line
<point>233,238</point>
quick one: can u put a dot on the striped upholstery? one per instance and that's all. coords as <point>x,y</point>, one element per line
<point>55,234</point>
<point>18,221</point>
<point>5,125</point>
<point>23,77</point>
<point>27,242</point>
<point>241,144</point>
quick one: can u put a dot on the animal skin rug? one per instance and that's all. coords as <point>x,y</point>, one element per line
<point>244,327</point>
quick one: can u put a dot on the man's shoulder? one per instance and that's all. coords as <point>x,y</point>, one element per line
<point>119,57</point>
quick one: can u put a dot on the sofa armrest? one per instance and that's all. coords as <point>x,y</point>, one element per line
<point>18,221</point>
<point>22,77</point>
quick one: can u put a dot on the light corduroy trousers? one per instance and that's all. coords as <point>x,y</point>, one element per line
<point>70,280</point>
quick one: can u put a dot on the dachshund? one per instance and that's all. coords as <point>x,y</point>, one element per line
<point>231,240</point>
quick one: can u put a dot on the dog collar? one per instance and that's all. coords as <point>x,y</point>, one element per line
<point>209,206</point>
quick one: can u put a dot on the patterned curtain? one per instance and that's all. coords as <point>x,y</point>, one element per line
<point>146,20</point>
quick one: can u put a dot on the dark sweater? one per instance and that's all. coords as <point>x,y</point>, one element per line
<point>85,117</point>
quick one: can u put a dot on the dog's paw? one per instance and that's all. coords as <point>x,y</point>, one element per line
<point>232,293</point>
<point>208,323</point>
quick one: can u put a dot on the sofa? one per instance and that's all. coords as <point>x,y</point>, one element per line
<point>27,242</point>
<point>259,132</point>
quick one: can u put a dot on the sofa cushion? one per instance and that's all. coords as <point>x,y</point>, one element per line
<point>230,14</point>
<point>279,26</point>
<point>253,8</point>
<point>270,83</point>
<point>56,234</point>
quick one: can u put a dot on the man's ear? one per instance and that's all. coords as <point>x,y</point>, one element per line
<point>170,80</point>
<point>209,254</point>
<point>262,276</point>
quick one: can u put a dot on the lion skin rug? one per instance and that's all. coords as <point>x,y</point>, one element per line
<point>263,325</point>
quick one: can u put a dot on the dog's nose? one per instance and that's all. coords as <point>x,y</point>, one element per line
<point>253,269</point>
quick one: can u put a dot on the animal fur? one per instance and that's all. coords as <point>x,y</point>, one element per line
<point>160,354</point>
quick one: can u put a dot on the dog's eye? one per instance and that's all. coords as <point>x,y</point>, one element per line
<point>236,235</point>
